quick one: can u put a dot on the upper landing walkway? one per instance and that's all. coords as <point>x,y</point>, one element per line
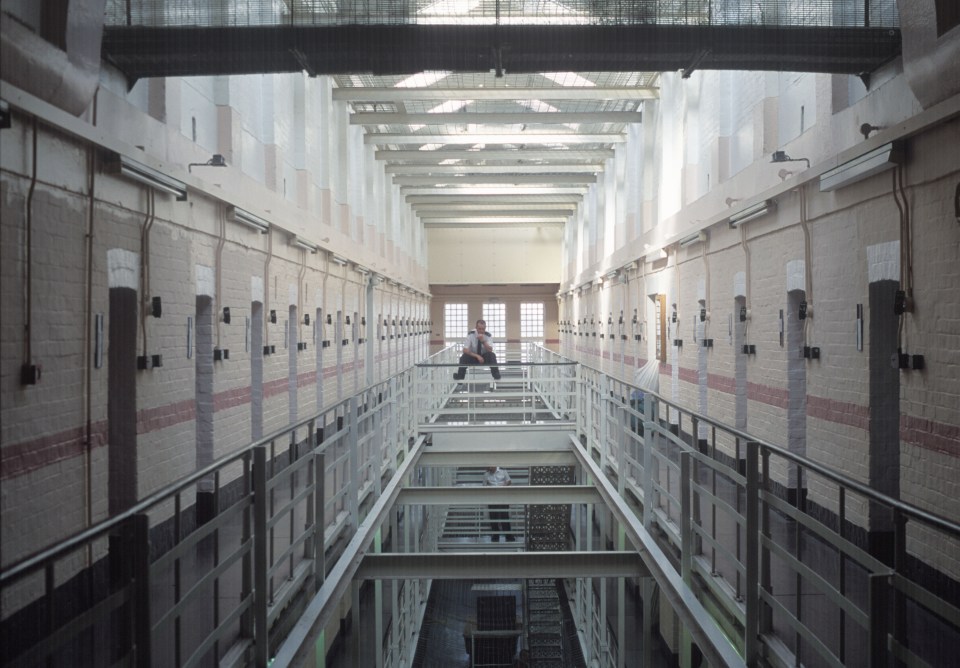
<point>153,38</point>
<point>763,557</point>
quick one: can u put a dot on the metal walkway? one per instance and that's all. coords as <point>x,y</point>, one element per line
<point>154,38</point>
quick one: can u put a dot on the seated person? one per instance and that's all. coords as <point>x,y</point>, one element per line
<point>478,349</point>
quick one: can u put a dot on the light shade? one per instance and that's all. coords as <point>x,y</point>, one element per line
<point>699,237</point>
<point>862,167</point>
<point>302,243</point>
<point>137,171</point>
<point>752,212</point>
<point>242,217</point>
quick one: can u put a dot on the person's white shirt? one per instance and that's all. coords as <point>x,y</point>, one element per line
<point>496,478</point>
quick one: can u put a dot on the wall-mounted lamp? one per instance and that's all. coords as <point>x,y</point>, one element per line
<point>226,315</point>
<point>697,238</point>
<point>781,156</point>
<point>339,260</point>
<point>866,129</point>
<point>752,212</point>
<point>121,164</point>
<point>861,167</point>
<point>238,215</point>
<point>303,244</point>
<point>216,160</point>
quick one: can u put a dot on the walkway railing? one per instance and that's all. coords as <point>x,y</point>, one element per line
<point>155,586</point>
<point>778,544</point>
<point>773,544</point>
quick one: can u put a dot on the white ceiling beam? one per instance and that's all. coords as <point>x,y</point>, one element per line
<point>516,198</point>
<point>470,212</point>
<point>482,222</point>
<point>522,117</point>
<point>508,191</point>
<point>435,225</point>
<point>394,155</point>
<point>589,93</point>
<point>487,206</point>
<point>508,178</point>
<point>523,168</point>
<point>380,138</point>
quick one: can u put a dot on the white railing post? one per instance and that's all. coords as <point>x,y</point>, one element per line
<point>350,423</point>
<point>260,631</point>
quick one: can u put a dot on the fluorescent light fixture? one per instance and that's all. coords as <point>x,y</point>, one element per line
<point>752,212</point>
<point>339,260</point>
<point>257,223</point>
<point>302,243</point>
<point>862,167</point>
<point>612,274</point>
<point>697,238</point>
<point>121,164</point>
<point>361,270</point>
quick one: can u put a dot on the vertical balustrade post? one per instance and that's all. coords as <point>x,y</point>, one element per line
<point>752,578</point>
<point>261,595</point>
<point>354,458</point>
<point>686,543</point>
<point>879,608</point>
<point>650,436</point>
<point>142,627</point>
<point>320,521</point>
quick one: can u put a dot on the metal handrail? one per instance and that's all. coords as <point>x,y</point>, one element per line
<point>613,449</point>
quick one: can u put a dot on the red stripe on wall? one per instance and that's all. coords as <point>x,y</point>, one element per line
<point>839,412</point>
<point>773,396</point>
<point>930,435</point>
<point>161,417</point>
<point>689,375</point>
<point>275,387</point>
<point>721,383</point>
<point>22,458</point>
<point>231,398</point>
<point>308,378</point>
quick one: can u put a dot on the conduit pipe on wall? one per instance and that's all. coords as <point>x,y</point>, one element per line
<point>676,296</point>
<point>301,289</point>
<point>746,268</point>
<point>28,260</point>
<point>807,262</point>
<point>906,249</point>
<point>906,236</point>
<point>324,310</point>
<point>88,348</point>
<point>266,288</point>
<point>361,305</point>
<point>222,239</point>
<point>145,265</point>
<point>706,288</point>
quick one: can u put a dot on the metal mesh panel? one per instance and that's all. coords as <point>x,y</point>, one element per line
<point>848,13</point>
